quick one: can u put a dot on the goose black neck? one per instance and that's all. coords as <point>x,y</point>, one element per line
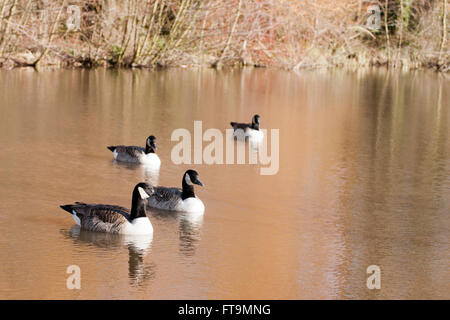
<point>188,191</point>
<point>149,149</point>
<point>137,206</point>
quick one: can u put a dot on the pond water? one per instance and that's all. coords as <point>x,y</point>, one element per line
<point>363,179</point>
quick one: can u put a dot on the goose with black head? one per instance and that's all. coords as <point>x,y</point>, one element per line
<point>250,130</point>
<point>178,199</point>
<point>136,154</point>
<point>115,219</point>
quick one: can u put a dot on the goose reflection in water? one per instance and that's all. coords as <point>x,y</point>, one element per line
<point>189,227</point>
<point>138,247</point>
<point>138,272</point>
<point>148,173</point>
<point>250,144</point>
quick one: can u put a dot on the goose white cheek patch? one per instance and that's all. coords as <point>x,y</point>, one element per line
<point>188,180</point>
<point>144,195</point>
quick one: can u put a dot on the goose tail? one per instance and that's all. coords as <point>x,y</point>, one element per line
<point>67,207</point>
<point>112,148</point>
<point>233,124</point>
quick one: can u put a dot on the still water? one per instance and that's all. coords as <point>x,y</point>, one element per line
<point>364,179</point>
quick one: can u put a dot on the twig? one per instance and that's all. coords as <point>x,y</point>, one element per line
<point>444,30</point>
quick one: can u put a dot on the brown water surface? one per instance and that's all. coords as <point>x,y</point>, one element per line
<point>364,179</point>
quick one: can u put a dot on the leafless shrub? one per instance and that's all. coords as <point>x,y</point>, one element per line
<point>291,34</point>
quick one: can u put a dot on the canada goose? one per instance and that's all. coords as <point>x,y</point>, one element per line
<point>136,154</point>
<point>115,219</point>
<point>177,199</point>
<point>250,130</point>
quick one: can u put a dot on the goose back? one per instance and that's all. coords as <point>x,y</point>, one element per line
<point>166,198</point>
<point>127,153</point>
<point>99,217</point>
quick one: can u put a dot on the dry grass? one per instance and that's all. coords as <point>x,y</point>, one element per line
<point>291,34</point>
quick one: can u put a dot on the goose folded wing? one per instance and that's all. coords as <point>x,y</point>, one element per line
<point>103,218</point>
<point>132,151</point>
<point>164,194</point>
<point>242,126</point>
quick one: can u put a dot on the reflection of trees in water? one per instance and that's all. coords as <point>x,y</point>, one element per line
<point>138,247</point>
<point>390,180</point>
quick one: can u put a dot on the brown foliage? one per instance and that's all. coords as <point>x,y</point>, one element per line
<point>283,33</point>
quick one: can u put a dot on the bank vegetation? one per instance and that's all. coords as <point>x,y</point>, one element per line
<point>291,34</point>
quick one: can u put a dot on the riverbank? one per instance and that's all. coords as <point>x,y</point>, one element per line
<point>168,33</point>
